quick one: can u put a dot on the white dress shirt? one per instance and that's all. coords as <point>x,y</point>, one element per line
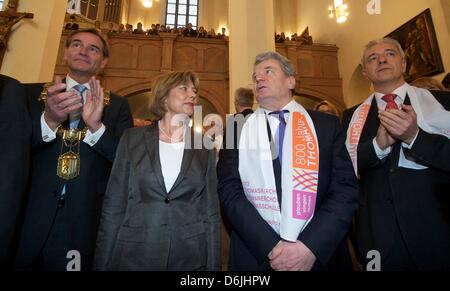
<point>274,122</point>
<point>171,156</point>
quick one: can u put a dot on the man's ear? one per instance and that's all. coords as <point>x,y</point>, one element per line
<point>363,72</point>
<point>103,63</point>
<point>65,55</point>
<point>291,82</point>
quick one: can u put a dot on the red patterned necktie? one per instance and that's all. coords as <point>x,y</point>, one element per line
<point>390,100</point>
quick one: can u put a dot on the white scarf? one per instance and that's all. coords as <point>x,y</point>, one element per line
<point>299,173</point>
<point>431,117</point>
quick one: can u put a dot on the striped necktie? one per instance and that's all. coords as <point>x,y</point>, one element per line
<point>80,89</point>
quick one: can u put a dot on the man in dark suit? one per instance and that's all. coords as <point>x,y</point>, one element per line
<point>15,132</point>
<point>70,170</point>
<point>255,242</point>
<point>243,101</point>
<point>402,156</point>
<point>189,31</point>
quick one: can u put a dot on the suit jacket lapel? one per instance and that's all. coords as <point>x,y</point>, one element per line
<point>372,122</point>
<point>81,124</point>
<point>407,101</point>
<point>151,137</point>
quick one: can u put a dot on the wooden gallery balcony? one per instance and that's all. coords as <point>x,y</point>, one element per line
<point>137,60</point>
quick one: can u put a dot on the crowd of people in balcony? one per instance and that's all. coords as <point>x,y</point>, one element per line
<point>155,29</point>
<point>188,31</point>
<point>303,38</point>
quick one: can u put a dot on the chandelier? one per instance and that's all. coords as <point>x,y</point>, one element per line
<point>148,3</point>
<point>339,10</point>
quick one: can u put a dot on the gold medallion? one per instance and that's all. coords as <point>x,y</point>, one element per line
<point>68,165</point>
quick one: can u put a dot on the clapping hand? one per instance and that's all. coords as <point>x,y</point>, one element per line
<point>60,103</point>
<point>93,107</point>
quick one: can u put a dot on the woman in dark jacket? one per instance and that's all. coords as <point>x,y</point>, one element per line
<point>161,209</point>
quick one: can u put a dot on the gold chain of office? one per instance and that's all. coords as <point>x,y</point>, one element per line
<point>69,160</point>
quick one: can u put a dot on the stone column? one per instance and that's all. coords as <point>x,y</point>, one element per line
<point>251,26</point>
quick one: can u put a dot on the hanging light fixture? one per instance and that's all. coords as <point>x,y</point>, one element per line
<point>147,3</point>
<point>339,10</point>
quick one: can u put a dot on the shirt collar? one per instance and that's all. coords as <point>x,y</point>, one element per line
<point>290,107</point>
<point>71,83</point>
<point>400,92</point>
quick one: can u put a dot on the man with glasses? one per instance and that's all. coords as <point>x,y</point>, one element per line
<point>76,129</point>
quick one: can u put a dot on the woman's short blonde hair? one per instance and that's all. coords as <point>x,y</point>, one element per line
<point>162,87</point>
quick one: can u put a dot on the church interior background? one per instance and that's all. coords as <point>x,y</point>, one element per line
<point>326,54</point>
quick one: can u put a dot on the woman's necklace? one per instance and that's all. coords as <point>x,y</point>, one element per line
<point>171,139</point>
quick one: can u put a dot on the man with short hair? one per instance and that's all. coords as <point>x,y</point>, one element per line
<point>288,190</point>
<point>243,101</point>
<point>76,130</point>
<point>398,140</point>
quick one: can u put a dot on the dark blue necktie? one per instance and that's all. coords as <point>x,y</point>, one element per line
<point>281,130</point>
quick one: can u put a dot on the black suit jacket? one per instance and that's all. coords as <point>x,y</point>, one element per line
<point>252,238</point>
<point>146,227</point>
<point>417,201</point>
<point>15,135</point>
<point>74,227</point>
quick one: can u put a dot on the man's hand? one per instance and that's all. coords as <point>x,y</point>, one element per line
<point>60,104</point>
<point>93,107</point>
<point>400,124</point>
<point>384,139</point>
<point>291,256</point>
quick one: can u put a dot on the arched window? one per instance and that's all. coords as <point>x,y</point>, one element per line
<point>181,12</point>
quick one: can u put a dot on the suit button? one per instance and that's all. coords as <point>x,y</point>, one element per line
<point>167,200</point>
<point>391,170</point>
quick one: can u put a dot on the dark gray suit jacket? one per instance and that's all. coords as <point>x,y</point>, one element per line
<point>252,238</point>
<point>51,229</point>
<point>144,227</point>
<point>15,135</point>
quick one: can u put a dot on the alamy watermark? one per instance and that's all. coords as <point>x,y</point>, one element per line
<point>374,265</point>
<point>374,7</point>
<point>75,261</point>
<point>209,131</point>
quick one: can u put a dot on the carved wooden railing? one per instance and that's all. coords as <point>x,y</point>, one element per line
<point>137,60</point>
<point>317,71</point>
